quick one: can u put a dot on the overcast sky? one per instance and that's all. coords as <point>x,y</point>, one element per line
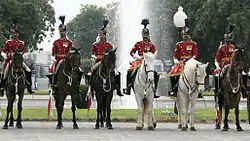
<point>69,8</point>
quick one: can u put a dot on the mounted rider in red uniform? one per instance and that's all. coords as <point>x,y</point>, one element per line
<point>60,48</point>
<point>14,44</point>
<point>222,60</point>
<point>98,50</point>
<point>184,50</point>
<point>140,47</point>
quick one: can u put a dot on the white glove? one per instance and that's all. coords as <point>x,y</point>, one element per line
<point>176,61</point>
<point>217,65</point>
<point>4,55</point>
<point>53,58</point>
<point>137,57</point>
<point>93,57</point>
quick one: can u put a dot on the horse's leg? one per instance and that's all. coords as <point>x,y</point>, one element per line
<point>226,127</point>
<point>192,110</point>
<point>108,100</point>
<point>149,103</point>
<point>59,106</point>
<point>236,111</point>
<point>140,111</point>
<point>11,99</point>
<point>103,110</point>
<point>179,114</point>
<point>98,110</point>
<point>11,124</point>
<point>73,109</point>
<point>19,115</point>
<point>183,102</point>
<point>154,120</point>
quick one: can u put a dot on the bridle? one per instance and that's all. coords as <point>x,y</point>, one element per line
<point>69,74</point>
<point>238,76</point>
<point>140,78</point>
<point>191,87</point>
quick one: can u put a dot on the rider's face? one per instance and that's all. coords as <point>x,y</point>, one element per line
<point>15,35</point>
<point>102,37</point>
<point>62,34</point>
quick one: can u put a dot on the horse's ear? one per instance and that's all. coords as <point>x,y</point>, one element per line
<point>197,65</point>
<point>115,50</point>
<point>155,54</point>
<point>106,51</point>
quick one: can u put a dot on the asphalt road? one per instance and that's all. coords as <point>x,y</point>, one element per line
<point>45,131</point>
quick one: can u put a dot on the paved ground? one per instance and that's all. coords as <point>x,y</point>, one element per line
<point>45,131</point>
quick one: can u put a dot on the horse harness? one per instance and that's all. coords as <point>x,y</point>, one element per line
<point>145,81</point>
<point>188,84</point>
<point>16,78</point>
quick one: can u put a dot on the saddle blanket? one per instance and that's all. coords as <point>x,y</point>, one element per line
<point>176,70</point>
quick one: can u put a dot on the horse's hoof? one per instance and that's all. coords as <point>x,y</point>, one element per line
<point>154,124</point>
<point>97,127</point>
<point>138,128</point>
<point>58,126</point>
<point>102,125</point>
<point>75,126</point>
<point>19,126</point>
<point>224,129</point>
<point>11,124</point>
<point>179,126</point>
<point>151,128</point>
<point>192,129</point>
<point>239,128</point>
<point>184,129</point>
<point>109,126</point>
<point>5,126</point>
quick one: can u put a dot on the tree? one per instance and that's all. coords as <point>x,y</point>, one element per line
<point>83,29</point>
<point>34,17</point>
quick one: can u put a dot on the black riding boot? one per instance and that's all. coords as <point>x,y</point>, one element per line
<point>156,78</point>
<point>2,85</point>
<point>29,82</point>
<point>174,84</point>
<point>127,90</point>
<point>244,88</point>
<point>118,84</point>
<point>52,82</point>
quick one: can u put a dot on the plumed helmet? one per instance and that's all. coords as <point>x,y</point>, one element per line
<point>103,29</point>
<point>229,32</point>
<point>62,27</point>
<point>14,28</point>
<point>145,30</point>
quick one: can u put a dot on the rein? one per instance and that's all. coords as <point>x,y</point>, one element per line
<point>69,75</point>
<point>104,80</point>
<point>16,78</point>
<point>238,76</point>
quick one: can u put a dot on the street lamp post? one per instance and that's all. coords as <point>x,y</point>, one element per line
<point>179,20</point>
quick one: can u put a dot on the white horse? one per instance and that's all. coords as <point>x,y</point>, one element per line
<point>144,89</point>
<point>192,76</point>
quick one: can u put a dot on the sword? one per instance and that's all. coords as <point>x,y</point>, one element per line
<point>218,116</point>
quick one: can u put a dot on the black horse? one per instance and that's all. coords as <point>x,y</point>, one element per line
<point>67,81</point>
<point>103,84</point>
<point>15,85</point>
<point>231,84</point>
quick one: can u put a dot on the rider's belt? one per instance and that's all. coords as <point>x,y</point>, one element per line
<point>60,55</point>
<point>99,56</point>
<point>226,59</point>
<point>185,57</point>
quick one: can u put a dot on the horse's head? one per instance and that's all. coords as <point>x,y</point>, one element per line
<point>149,64</point>
<point>73,59</point>
<point>237,59</point>
<point>17,61</point>
<point>201,72</point>
<point>109,59</point>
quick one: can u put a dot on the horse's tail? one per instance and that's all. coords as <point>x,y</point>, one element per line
<point>145,112</point>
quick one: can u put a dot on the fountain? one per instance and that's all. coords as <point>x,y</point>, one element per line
<point>131,14</point>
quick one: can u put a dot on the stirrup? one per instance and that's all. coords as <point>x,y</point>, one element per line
<point>127,91</point>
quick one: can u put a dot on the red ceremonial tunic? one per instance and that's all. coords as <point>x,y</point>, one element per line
<point>184,50</point>
<point>223,56</point>
<point>98,49</point>
<point>60,48</point>
<point>141,47</point>
<point>9,47</point>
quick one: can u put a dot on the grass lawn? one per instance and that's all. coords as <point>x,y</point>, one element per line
<point>125,115</point>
